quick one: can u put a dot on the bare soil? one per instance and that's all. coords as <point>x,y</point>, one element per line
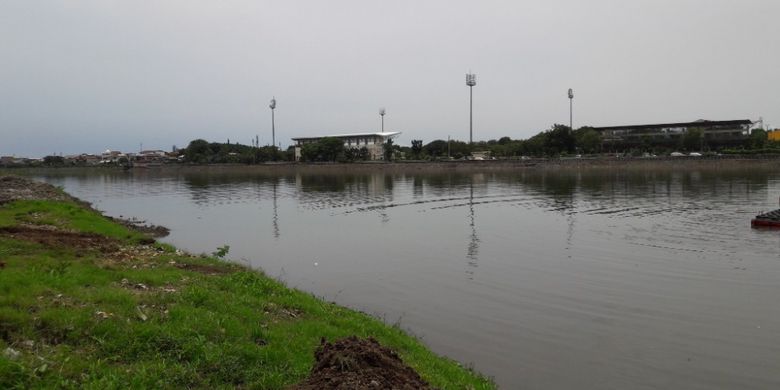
<point>205,269</point>
<point>354,363</point>
<point>60,238</point>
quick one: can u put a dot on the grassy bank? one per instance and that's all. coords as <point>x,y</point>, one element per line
<point>87,303</point>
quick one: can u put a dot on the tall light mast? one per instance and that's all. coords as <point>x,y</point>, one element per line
<point>571,106</point>
<point>382,114</point>
<point>471,81</point>
<point>273,127</point>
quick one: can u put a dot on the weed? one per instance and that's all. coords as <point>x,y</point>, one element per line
<point>221,251</point>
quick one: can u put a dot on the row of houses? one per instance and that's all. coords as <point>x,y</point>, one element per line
<point>108,157</point>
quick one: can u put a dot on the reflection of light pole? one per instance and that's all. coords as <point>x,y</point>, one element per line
<point>471,81</point>
<point>571,99</point>
<point>472,252</point>
<point>273,130</point>
<point>382,114</point>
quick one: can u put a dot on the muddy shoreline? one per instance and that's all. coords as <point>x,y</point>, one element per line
<point>14,188</point>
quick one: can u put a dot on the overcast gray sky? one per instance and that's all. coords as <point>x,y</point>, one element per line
<point>84,76</point>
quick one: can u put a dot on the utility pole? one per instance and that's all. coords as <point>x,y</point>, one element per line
<point>471,81</point>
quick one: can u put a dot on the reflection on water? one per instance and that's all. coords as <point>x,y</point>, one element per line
<point>473,248</point>
<point>543,279</point>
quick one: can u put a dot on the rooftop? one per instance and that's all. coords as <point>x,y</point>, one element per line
<point>700,123</point>
<point>351,135</point>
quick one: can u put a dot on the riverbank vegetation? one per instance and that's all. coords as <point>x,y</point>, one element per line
<point>86,302</point>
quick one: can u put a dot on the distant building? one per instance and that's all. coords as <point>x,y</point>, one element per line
<point>773,135</point>
<point>111,156</point>
<point>716,133</point>
<point>371,141</point>
<point>83,159</point>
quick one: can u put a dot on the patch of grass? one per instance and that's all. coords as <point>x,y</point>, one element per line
<point>157,319</point>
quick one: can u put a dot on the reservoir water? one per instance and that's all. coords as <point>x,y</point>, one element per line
<point>542,279</point>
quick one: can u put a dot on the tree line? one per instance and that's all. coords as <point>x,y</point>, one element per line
<point>556,141</point>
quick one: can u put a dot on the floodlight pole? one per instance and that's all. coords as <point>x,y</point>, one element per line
<point>571,106</point>
<point>471,81</point>
<point>273,124</point>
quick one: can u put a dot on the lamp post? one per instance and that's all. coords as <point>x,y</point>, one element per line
<point>382,114</point>
<point>273,129</point>
<point>471,81</point>
<point>571,106</point>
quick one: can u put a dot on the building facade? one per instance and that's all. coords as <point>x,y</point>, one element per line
<point>373,142</point>
<point>714,133</point>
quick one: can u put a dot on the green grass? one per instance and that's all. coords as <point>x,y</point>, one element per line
<point>86,319</point>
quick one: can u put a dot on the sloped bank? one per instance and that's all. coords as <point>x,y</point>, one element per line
<point>87,302</point>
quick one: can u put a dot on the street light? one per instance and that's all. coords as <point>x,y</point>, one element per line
<point>571,99</point>
<point>273,129</point>
<point>471,81</point>
<point>382,114</point>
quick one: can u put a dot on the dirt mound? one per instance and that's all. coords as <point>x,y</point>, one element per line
<point>18,188</point>
<point>60,238</point>
<point>352,363</point>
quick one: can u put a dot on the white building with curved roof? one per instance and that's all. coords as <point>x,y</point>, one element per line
<point>373,142</point>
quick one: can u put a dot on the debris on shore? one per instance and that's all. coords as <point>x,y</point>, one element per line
<point>18,188</point>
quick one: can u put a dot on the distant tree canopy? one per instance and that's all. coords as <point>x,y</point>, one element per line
<point>326,149</point>
<point>387,149</point>
<point>53,160</point>
<point>200,151</point>
<point>758,138</point>
<point>693,139</point>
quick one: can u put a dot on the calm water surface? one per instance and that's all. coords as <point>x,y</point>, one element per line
<point>600,279</point>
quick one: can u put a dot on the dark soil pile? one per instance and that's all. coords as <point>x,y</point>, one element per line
<point>352,363</point>
<point>18,188</point>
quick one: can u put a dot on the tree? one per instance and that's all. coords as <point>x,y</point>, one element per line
<point>388,149</point>
<point>559,140</point>
<point>326,149</point>
<point>53,160</point>
<point>692,139</point>
<point>417,148</point>
<point>198,151</point>
<point>589,141</point>
<point>437,148</point>
<point>758,138</point>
